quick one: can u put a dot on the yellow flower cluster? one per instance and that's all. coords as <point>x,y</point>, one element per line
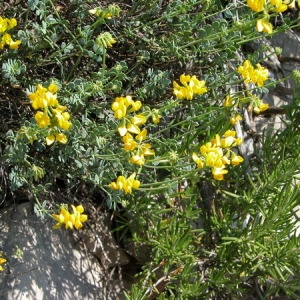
<point>129,128</point>
<point>141,150</point>
<point>232,105</point>
<point>106,13</point>
<point>105,40</point>
<point>50,112</point>
<point>190,86</point>
<point>265,6</point>
<point>124,105</point>
<point>251,75</point>
<point>235,118</point>
<point>270,5</point>
<point>5,38</point>
<point>257,104</point>
<point>217,154</point>
<point>263,25</point>
<point>70,220</point>
<point>254,103</point>
<point>127,185</point>
<point>2,261</point>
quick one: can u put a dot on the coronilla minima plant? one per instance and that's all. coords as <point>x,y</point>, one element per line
<point>147,110</point>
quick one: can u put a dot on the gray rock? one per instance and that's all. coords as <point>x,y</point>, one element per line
<point>50,264</point>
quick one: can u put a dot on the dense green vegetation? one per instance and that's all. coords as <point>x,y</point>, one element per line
<point>138,107</point>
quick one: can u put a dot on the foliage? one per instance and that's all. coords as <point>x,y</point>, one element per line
<point>141,103</point>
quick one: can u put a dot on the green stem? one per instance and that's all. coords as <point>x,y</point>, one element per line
<point>103,64</point>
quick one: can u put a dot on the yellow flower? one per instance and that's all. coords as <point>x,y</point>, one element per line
<point>156,116</point>
<point>214,159</point>
<point>42,98</point>
<point>79,218</point>
<point>198,86</point>
<point>42,119</point>
<point>225,160</point>
<point>138,159</point>
<point>142,135</point>
<point>260,75</point>
<point>106,13</point>
<point>66,115</point>
<point>256,76</point>
<point>122,105</point>
<point>236,160</point>
<point>6,38</point>
<point>132,182</point>
<point>118,185</point>
<point>227,142</point>
<point>216,142</point>
<point>105,40</point>
<point>122,129</point>
<point>190,86</point>
<point>70,220</point>
<point>62,120</point>
<point>50,139</point>
<point>238,141</point>
<point>182,92</point>
<point>127,185</point>
<point>246,70</point>
<point>127,100</point>
<point>37,102</point>
<point>263,25</point>
<point>278,6</point>
<point>62,218</point>
<point>199,161</point>
<point>3,25</point>
<point>257,104</point>
<point>135,105</point>
<point>263,106</point>
<point>2,261</point>
<point>138,120</point>
<point>14,44</point>
<point>184,79</point>
<point>129,142</point>
<point>51,99</point>
<point>53,88</point>
<point>11,23</point>
<point>52,114</point>
<point>132,128</point>
<point>228,101</point>
<point>204,149</point>
<point>256,5</point>
<point>113,186</point>
<point>146,149</point>
<point>60,137</point>
<point>119,108</point>
<point>260,107</point>
<point>37,98</point>
<point>218,173</point>
<point>227,134</point>
<point>235,119</point>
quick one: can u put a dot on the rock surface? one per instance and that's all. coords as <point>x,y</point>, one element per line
<point>49,263</point>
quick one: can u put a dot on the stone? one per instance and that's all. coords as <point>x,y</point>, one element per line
<point>47,263</point>
<point>100,241</point>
